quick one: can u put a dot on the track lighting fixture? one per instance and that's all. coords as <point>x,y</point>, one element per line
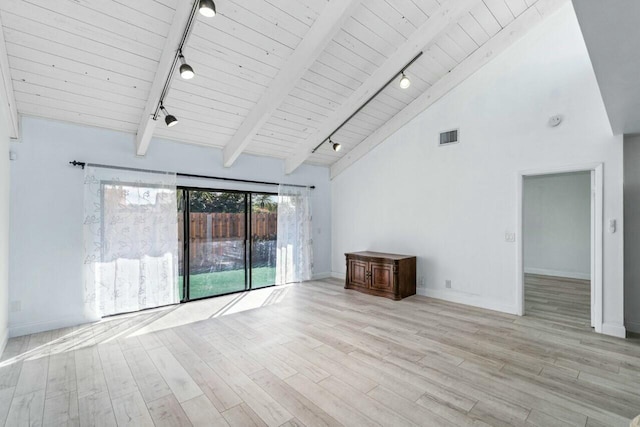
<point>404,81</point>
<point>335,145</point>
<point>207,8</point>
<point>169,119</point>
<point>186,72</point>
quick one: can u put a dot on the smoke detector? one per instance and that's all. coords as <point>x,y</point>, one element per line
<point>555,120</point>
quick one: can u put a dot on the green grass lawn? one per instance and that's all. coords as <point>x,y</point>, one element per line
<point>224,282</point>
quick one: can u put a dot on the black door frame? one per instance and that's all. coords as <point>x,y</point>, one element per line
<point>248,196</point>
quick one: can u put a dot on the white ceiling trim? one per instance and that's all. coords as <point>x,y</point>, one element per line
<point>441,20</point>
<point>6,90</point>
<point>496,45</point>
<point>147,123</point>
<point>312,45</point>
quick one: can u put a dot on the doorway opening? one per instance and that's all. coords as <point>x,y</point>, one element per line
<point>560,249</point>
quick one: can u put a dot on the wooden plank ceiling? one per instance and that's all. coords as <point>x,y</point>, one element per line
<point>93,62</point>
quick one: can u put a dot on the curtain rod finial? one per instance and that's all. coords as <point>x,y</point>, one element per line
<point>76,163</point>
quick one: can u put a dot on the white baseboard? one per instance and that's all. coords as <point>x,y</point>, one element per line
<point>614,329</point>
<point>338,275</point>
<point>468,299</point>
<point>48,325</point>
<point>319,276</point>
<point>558,273</point>
<point>3,340</point>
<point>632,326</point>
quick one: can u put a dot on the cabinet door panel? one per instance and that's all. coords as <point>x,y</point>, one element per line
<point>381,277</point>
<point>358,273</point>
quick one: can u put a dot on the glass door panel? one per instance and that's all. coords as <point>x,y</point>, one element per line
<point>264,222</point>
<point>217,236</point>
<point>181,194</point>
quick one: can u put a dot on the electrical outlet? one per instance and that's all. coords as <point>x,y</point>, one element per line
<point>509,237</point>
<point>16,306</point>
<point>447,284</point>
<point>421,282</point>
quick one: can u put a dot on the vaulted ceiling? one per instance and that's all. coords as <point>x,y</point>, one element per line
<point>612,36</point>
<point>273,77</point>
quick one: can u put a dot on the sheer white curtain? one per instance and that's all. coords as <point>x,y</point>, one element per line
<point>130,240</point>
<point>294,260</point>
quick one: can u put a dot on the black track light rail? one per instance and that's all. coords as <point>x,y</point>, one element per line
<point>176,57</point>
<point>328,138</point>
<point>188,175</point>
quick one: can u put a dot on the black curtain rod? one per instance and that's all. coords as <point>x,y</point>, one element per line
<point>189,175</point>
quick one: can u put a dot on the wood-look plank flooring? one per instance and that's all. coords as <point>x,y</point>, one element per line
<point>558,299</point>
<point>314,354</point>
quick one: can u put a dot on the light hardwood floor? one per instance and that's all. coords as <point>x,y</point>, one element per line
<point>315,354</point>
<point>558,299</point>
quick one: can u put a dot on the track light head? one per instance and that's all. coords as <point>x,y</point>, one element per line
<point>404,81</point>
<point>336,146</point>
<point>207,8</point>
<point>169,119</point>
<point>186,71</point>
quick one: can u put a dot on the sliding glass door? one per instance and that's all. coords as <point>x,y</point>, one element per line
<point>181,194</point>
<point>264,223</point>
<point>217,239</point>
<point>227,240</point>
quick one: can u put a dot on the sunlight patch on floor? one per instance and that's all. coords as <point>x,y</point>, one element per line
<point>134,325</point>
<point>196,311</point>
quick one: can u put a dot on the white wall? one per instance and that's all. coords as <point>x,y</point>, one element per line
<point>451,206</point>
<point>47,206</point>
<point>557,225</point>
<point>4,225</point>
<point>632,232</point>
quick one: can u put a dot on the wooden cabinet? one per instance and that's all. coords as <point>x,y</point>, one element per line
<point>387,275</point>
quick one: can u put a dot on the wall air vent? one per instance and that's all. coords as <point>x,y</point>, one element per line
<point>449,137</point>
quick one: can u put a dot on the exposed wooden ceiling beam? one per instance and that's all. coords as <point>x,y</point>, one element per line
<point>499,43</point>
<point>448,14</point>
<point>147,123</point>
<point>6,90</point>
<point>312,45</point>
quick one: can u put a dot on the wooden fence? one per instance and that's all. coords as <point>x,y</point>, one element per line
<point>219,237</point>
<point>229,226</point>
